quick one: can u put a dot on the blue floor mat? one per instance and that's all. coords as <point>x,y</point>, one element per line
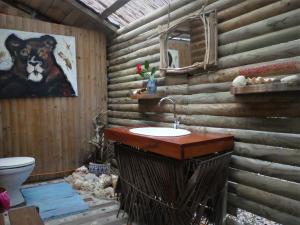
<point>54,200</point>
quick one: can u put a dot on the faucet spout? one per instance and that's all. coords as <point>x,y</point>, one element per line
<point>172,100</point>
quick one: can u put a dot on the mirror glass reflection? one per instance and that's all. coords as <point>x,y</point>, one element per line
<point>186,44</point>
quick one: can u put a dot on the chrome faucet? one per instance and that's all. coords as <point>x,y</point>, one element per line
<point>172,100</point>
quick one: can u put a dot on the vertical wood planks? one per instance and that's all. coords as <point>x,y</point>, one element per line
<point>56,131</point>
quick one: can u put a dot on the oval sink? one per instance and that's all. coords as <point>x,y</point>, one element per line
<point>160,131</point>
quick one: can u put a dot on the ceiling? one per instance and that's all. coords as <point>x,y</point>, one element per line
<point>105,15</point>
<point>127,13</point>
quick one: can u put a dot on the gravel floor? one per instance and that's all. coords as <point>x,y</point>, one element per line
<point>247,218</point>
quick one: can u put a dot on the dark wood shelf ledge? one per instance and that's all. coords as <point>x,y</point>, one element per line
<point>265,88</point>
<point>147,96</point>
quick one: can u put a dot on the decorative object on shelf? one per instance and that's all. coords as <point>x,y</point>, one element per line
<point>242,81</point>
<point>291,79</point>
<point>259,80</point>
<point>151,86</point>
<point>149,73</point>
<point>138,91</point>
<point>239,81</point>
<point>265,88</point>
<point>255,85</point>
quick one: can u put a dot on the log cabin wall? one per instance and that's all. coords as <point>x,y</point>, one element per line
<point>56,131</point>
<point>256,38</point>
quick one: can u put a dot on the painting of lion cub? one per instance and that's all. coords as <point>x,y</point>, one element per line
<point>34,71</point>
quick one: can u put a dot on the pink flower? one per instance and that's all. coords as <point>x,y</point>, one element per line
<point>139,68</point>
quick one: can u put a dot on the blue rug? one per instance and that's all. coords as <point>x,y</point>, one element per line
<point>54,200</point>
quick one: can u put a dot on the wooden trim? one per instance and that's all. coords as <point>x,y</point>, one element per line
<point>113,8</point>
<point>146,96</point>
<point>265,88</point>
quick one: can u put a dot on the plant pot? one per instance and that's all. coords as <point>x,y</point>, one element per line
<point>151,86</point>
<point>99,169</point>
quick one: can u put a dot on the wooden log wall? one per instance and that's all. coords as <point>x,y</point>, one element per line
<point>256,38</point>
<point>56,131</point>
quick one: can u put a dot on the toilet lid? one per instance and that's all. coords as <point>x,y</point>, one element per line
<point>14,162</point>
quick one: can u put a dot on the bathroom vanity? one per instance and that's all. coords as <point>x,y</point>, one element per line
<point>175,180</point>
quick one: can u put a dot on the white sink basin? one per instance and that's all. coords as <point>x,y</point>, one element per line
<point>160,131</point>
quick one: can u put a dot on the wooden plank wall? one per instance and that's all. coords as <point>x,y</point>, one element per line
<point>256,38</point>
<point>56,131</point>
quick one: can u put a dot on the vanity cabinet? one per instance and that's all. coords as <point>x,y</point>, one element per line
<point>172,180</point>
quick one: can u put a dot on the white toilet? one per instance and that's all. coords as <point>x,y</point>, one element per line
<point>13,173</point>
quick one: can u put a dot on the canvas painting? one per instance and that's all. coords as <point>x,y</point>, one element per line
<point>37,65</point>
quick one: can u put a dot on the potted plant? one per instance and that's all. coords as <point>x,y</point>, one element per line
<point>148,73</point>
<point>102,160</point>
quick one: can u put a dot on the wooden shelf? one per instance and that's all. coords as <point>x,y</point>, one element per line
<point>147,96</point>
<point>265,88</point>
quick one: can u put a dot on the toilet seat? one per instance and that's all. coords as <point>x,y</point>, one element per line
<point>15,162</point>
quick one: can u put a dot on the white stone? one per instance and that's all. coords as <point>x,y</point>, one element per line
<point>291,79</point>
<point>239,81</point>
<point>105,180</point>
<point>78,183</point>
<point>91,177</point>
<point>114,180</point>
<point>82,169</point>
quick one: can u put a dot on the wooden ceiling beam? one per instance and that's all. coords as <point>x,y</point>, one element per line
<point>113,8</point>
<point>108,27</point>
<point>29,10</point>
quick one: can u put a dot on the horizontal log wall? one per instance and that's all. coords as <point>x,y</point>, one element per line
<point>256,38</point>
<point>56,131</point>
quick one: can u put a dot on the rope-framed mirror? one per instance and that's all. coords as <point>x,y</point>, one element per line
<point>189,45</point>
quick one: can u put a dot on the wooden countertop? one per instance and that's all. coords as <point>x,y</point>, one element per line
<point>181,147</point>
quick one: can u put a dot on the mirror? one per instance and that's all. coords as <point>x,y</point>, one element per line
<point>189,45</point>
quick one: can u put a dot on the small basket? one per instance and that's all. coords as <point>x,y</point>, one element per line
<point>99,169</point>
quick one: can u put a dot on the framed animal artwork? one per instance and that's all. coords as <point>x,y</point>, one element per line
<point>37,65</point>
